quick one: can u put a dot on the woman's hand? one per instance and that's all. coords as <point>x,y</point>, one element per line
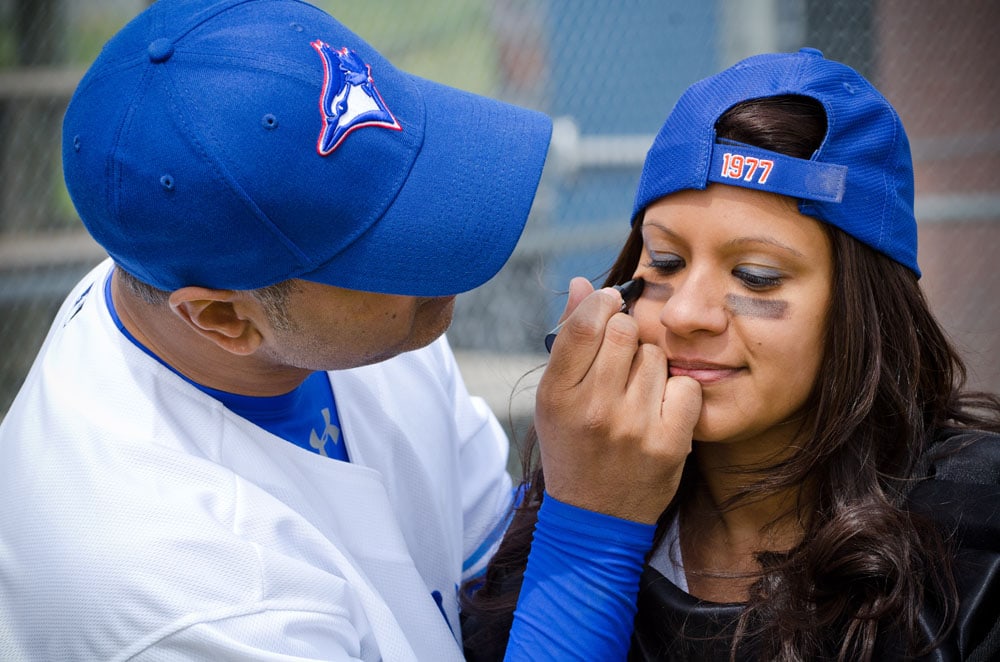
<point>614,431</point>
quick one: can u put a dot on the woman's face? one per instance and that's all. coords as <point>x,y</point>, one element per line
<point>738,284</point>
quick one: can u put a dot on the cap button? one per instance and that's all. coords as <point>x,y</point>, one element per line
<point>811,51</point>
<point>160,50</point>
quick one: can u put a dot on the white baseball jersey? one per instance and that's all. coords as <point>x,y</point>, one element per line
<point>142,520</point>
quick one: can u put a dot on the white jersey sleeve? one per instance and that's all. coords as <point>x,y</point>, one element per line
<point>145,521</point>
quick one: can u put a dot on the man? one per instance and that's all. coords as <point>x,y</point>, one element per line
<point>245,436</point>
<point>278,201</point>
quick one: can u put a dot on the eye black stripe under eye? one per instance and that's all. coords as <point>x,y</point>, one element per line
<point>770,309</point>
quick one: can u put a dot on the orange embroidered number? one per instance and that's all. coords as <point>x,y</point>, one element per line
<point>737,166</point>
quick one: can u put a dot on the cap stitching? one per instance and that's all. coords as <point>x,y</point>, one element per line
<point>210,17</point>
<point>816,208</point>
<point>113,166</point>
<point>201,146</point>
<point>887,192</point>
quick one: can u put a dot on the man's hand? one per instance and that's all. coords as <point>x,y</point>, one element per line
<point>614,431</point>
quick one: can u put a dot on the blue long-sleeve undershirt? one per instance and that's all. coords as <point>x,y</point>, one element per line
<point>578,598</point>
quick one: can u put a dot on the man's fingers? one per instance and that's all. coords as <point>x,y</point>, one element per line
<point>648,376</point>
<point>579,289</point>
<point>613,365</point>
<point>582,336</point>
<point>681,405</point>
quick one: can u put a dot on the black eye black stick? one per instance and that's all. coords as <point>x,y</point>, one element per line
<point>630,292</point>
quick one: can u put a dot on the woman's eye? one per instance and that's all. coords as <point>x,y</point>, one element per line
<point>666,263</point>
<point>758,279</point>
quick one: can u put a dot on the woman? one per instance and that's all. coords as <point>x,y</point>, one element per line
<point>840,494</point>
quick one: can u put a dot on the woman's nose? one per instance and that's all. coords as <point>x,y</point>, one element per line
<point>696,305</point>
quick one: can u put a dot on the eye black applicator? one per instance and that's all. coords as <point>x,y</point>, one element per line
<point>630,291</point>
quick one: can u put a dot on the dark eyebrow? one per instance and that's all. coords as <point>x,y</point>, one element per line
<point>736,242</point>
<point>664,230</point>
<point>767,241</point>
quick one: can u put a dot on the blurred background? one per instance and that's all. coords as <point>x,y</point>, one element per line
<point>608,72</point>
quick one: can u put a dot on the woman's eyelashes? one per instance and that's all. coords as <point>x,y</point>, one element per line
<point>665,263</point>
<point>758,278</point>
<point>754,278</point>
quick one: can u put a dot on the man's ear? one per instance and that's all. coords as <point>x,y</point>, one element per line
<point>220,316</point>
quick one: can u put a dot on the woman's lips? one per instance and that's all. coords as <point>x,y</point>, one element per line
<point>701,371</point>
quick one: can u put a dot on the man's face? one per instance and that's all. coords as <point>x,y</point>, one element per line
<point>330,328</point>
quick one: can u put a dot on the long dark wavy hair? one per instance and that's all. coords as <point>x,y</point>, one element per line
<point>889,379</point>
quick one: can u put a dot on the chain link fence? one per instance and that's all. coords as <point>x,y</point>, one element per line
<point>609,73</point>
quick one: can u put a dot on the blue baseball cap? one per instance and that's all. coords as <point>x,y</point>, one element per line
<point>859,180</point>
<point>235,144</point>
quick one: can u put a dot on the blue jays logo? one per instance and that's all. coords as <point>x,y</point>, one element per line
<point>349,100</point>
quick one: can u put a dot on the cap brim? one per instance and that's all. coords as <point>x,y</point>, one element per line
<point>463,207</point>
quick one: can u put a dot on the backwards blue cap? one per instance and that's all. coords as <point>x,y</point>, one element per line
<point>859,180</point>
<point>238,143</point>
